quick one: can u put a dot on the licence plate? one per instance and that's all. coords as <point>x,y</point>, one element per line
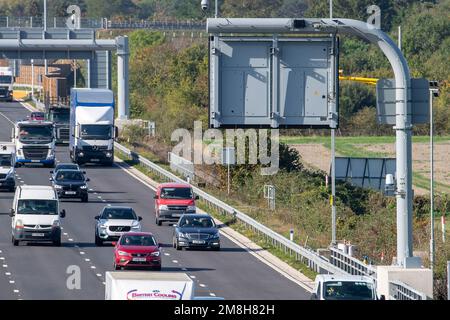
<point>37,234</point>
<point>71,192</point>
<point>35,160</point>
<point>139,259</point>
<point>95,160</point>
<point>198,241</point>
<point>176,215</point>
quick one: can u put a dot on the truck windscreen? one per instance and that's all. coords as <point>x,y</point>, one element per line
<point>5,79</point>
<point>347,290</point>
<point>95,132</point>
<point>5,160</point>
<point>35,134</point>
<point>59,116</point>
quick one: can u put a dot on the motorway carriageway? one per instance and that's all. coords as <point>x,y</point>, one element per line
<point>39,271</point>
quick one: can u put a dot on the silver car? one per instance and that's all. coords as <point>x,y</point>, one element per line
<point>115,221</point>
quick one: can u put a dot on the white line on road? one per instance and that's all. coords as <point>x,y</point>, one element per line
<point>166,254</point>
<point>202,285</point>
<point>70,239</point>
<point>175,261</point>
<point>5,266</point>
<point>212,294</point>
<point>11,281</point>
<point>2,258</point>
<point>65,233</point>
<point>7,273</point>
<point>16,291</point>
<point>87,259</point>
<point>81,252</point>
<point>92,267</point>
<point>193,277</point>
<point>98,274</point>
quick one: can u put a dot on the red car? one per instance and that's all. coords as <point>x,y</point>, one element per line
<point>137,249</point>
<point>37,116</point>
<point>172,200</point>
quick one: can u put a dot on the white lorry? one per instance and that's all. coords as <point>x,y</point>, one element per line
<point>35,142</point>
<point>135,285</point>
<point>35,215</point>
<point>7,163</point>
<point>6,83</point>
<point>92,129</point>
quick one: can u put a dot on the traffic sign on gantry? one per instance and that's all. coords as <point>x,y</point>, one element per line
<point>273,82</point>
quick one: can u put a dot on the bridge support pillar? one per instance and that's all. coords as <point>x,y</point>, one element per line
<point>123,54</point>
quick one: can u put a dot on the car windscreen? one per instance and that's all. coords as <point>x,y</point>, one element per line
<point>197,222</point>
<point>60,116</point>
<point>69,175</point>
<point>347,290</point>
<point>176,193</point>
<point>96,131</point>
<point>138,240</point>
<point>37,207</point>
<point>37,115</point>
<point>5,160</point>
<point>42,134</point>
<point>119,213</point>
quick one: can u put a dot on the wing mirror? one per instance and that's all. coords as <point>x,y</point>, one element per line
<point>87,179</point>
<point>12,212</point>
<point>97,217</point>
<point>382,297</point>
<point>314,297</point>
<point>175,225</point>
<point>159,245</point>
<point>51,171</point>
<point>114,243</point>
<point>139,218</point>
<point>50,179</point>
<point>84,172</point>
<point>197,197</point>
<point>155,196</point>
<point>62,214</point>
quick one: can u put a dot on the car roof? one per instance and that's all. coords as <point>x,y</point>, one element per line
<point>137,234</point>
<point>37,193</point>
<point>174,185</point>
<point>67,164</point>
<point>197,215</point>
<point>68,170</point>
<point>330,277</point>
<point>117,207</point>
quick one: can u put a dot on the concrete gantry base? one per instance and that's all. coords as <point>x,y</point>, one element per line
<point>420,279</point>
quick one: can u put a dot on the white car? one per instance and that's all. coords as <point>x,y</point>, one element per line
<point>115,221</point>
<point>348,287</point>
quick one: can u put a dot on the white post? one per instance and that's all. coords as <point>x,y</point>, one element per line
<point>333,187</point>
<point>400,37</point>
<point>228,173</point>
<point>431,185</point>
<point>216,12</point>
<point>75,73</point>
<point>443,227</point>
<point>122,77</point>
<point>32,78</point>
<point>291,235</point>
<point>45,17</point>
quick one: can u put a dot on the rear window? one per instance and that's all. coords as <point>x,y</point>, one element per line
<point>176,193</point>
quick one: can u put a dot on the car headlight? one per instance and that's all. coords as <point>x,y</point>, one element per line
<point>108,154</point>
<point>155,254</point>
<point>19,152</point>
<point>163,207</point>
<point>80,154</point>
<point>182,235</point>
<point>136,225</point>
<point>123,253</point>
<point>57,186</point>
<point>83,187</point>
<point>19,224</point>
<point>215,236</point>
<point>191,208</point>
<point>56,223</point>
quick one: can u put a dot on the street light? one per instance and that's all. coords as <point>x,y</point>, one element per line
<point>434,92</point>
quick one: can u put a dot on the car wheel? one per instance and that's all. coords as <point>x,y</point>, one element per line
<point>84,198</point>
<point>57,243</point>
<point>14,241</point>
<point>158,268</point>
<point>116,267</point>
<point>177,246</point>
<point>98,241</point>
<point>158,222</point>
<point>216,248</point>
<point>173,243</point>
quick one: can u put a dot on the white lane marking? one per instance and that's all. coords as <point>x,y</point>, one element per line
<point>16,291</point>
<point>8,273</point>
<point>175,261</point>
<point>193,277</point>
<point>0,251</point>
<point>11,281</point>
<point>99,197</point>
<point>1,114</point>
<point>92,267</point>
<point>91,189</point>
<point>184,269</point>
<point>62,228</point>
<point>81,252</point>
<point>65,233</point>
<point>104,283</point>
<point>2,258</point>
<point>5,266</point>
<point>166,254</point>
<point>202,285</point>
<point>95,193</point>
<point>108,205</point>
<point>103,200</point>
<point>98,274</point>
<point>70,239</point>
<point>212,294</point>
<point>87,259</point>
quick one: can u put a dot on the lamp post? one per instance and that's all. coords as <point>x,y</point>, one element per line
<point>434,92</point>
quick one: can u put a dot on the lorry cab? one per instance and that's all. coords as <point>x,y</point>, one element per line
<point>35,215</point>
<point>35,142</point>
<point>6,84</point>
<point>60,116</point>
<point>7,163</point>
<point>347,287</point>
<point>172,200</point>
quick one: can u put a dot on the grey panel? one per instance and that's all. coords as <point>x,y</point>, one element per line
<point>100,70</point>
<point>375,168</point>
<point>233,93</point>
<point>316,91</point>
<point>341,167</point>
<point>357,167</point>
<point>291,92</point>
<point>241,54</point>
<point>419,101</point>
<point>306,55</point>
<point>256,91</point>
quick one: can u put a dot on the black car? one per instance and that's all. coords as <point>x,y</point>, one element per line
<point>196,231</point>
<point>70,184</point>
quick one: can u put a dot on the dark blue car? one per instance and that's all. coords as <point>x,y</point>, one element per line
<point>196,231</point>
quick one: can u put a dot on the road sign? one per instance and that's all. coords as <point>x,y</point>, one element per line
<point>272,82</point>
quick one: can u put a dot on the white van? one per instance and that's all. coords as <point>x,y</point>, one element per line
<point>344,287</point>
<point>35,215</point>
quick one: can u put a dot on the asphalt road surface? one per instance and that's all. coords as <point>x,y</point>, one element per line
<point>41,271</point>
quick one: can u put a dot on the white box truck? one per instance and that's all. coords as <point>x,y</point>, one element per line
<point>6,83</point>
<point>92,129</point>
<point>136,285</point>
<point>35,142</point>
<point>7,163</point>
